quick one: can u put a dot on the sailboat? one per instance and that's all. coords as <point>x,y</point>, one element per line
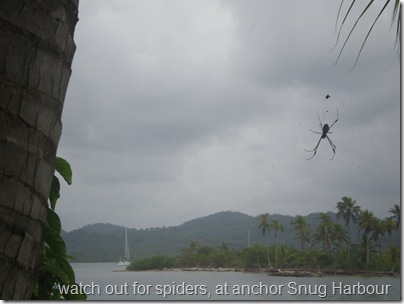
<point>125,261</point>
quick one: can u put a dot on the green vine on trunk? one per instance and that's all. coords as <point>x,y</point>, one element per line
<point>55,270</point>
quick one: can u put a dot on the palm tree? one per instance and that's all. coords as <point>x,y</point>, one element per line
<point>340,235</point>
<point>393,253</point>
<point>396,214</point>
<point>348,209</point>
<point>35,67</point>
<point>367,247</point>
<point>389,226</point>
<point>367,221</point>
<point>378,229</point>
<point>324,232</point>
<point>257,249</point>
<point>276,226</point>
<point>264,224</point>
<point>301,228</point>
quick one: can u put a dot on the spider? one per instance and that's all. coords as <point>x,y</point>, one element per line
<point>325,129</point>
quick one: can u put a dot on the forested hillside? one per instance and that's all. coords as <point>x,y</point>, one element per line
<point>105,242</point>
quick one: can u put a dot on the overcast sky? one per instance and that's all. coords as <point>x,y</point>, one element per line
<point>181,109</point>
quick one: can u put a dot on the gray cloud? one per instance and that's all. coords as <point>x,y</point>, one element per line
<point>180,109</point>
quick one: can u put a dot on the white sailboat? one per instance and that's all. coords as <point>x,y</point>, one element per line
<point>125,261</point>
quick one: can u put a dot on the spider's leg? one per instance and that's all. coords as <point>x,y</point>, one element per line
<point>321,125</point>
<point>314,150</point>
<point>335,120</point>
<point>333,147</point>
<point>331,143</point>
<point>312,156</point>
<point>315,131</point>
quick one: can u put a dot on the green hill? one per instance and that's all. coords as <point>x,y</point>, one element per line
<point>105,242</point>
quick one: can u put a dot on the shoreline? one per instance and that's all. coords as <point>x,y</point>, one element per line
<point>292,272</point>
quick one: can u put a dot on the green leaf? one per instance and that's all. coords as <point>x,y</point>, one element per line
<point>52,236</point>
<point>54,221</point>
<point>54,193</point>
<point>54,268</point>
<point>51,266</point>
<point>64,169</point>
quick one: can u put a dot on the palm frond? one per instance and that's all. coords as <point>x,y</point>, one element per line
<point>343,21</point>
<point>354,26</point>
<point>339,11</point>
<point>366,38</point>
<point>396,16</point>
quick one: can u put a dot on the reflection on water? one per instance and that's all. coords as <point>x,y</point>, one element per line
<point>106,281</point>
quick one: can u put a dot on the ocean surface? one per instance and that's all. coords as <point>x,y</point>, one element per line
<point>107,281</point>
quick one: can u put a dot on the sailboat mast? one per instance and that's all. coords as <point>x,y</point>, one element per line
<point>127,255</point>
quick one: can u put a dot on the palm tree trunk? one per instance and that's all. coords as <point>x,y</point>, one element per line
<point>367,251</point>
<point>36,53</point>
<point>258,260</point>
<point>276,252</point>
<point>269,261</point>
<point>276,255</point>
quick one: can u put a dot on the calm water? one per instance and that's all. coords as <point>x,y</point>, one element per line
<point>102,281</point>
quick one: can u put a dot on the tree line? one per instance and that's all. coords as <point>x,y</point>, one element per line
<point>327,246</point>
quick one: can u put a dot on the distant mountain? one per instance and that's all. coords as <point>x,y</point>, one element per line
<point>105,242</point>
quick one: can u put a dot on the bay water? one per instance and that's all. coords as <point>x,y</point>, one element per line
<point>107,281</point>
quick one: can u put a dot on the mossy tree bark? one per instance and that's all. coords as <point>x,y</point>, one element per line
<point>36,53</point>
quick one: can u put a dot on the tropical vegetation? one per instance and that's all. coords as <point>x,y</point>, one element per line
<point>327,246</point>
<point>55,269</point>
